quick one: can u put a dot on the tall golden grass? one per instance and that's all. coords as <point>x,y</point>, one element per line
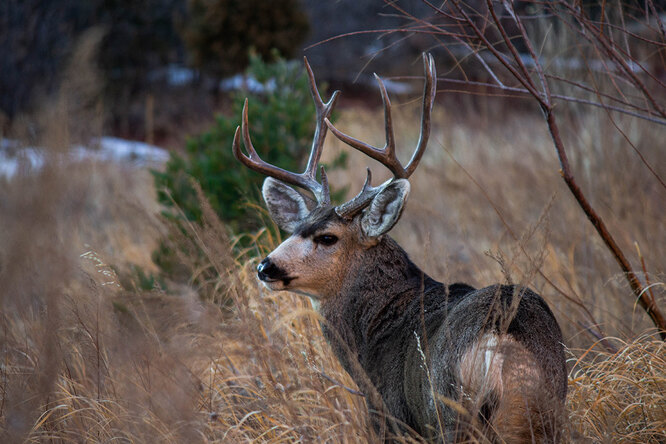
<point>85,359</point>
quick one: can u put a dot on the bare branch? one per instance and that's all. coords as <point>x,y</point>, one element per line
<point>624,68</point>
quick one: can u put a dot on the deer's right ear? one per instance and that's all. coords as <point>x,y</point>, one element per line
<point>385,209</point>
<point>286,206</point>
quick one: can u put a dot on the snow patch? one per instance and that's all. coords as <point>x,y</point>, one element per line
<point>14,157</point>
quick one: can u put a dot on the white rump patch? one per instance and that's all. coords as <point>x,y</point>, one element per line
<point>496,364</point>
<point>499,369</point>
<point>481,367</point>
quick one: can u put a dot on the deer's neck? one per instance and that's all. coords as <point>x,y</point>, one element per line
<point>381,286</point>
<point>384,300</point>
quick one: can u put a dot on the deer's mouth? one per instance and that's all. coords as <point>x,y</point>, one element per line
<point>276,284</point>
<point>285,280</point>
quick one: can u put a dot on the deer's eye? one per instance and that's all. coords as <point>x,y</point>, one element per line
<point>325,239</point>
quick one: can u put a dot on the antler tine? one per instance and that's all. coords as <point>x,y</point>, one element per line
<point>323,112</point>
<point>308,178</point>
<point>387,155</point>
<point>389,148</point>
<point>254,162</point>
<point>351,208</point>
<point>429,92</point>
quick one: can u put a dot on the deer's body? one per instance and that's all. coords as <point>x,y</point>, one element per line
<point>387,321</point>
<point>446,361</point>
<point>408,322</point>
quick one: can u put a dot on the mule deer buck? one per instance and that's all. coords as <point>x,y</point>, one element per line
<point>447,361</point>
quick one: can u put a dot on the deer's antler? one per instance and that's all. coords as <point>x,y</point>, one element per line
<point>387,155</point>
<point>308,178</point>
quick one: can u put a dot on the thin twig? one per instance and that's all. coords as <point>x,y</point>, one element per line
<point>349,389</point>
<point>565,98</point>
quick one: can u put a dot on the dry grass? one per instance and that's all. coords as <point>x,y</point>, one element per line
<point>85,360</point>
<point>619,397</point>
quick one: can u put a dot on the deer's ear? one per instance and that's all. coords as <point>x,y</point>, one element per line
<point>286,205</point>
<point>385,209</point>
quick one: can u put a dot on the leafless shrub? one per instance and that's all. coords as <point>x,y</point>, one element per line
<point>611,66</point>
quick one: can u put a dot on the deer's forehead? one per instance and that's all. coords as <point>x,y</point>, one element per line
<point>319,219</point>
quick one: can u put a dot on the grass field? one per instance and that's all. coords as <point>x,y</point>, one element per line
<point>88,356</point>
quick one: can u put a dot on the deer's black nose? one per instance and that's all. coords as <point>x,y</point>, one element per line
<point>268,271</point>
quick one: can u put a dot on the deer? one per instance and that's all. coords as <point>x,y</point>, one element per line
<point>449,362</point>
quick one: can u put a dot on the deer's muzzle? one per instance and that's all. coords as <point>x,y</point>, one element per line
<point>268,271</point>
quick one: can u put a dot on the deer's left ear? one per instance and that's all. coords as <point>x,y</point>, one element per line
<point>385,209</point>
<point>286,205</point>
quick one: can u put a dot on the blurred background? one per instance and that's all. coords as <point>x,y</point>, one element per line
<point>193,48</point>
<point>129,234</point>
